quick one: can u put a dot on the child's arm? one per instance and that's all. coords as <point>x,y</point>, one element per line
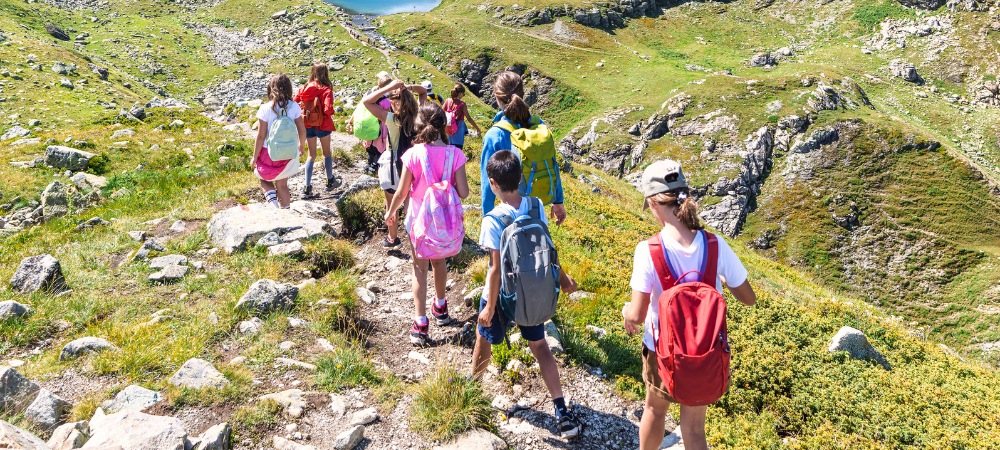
<point>469,119</point>
<point>371,100</point>
<point>744,293</point>
<point>634,312</point>
<point>462,183</point>
<point>259,143</point>
<point>492,289</point>
<point>566,282</point>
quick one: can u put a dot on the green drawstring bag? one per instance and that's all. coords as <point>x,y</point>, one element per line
<point>366,126</point>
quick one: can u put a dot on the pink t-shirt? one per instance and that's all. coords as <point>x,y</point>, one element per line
<point>436,158</point>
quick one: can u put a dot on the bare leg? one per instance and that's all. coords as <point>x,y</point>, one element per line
<point>393,231</point>
<point>440,277</point>
<point>284,197</point>
<point>420,286</point>
<point>324,142</point>
<point>693,427</point>
<point>651,427</point>
<point>547,364</point>
<point>266,186</point>
<point>481,356</point>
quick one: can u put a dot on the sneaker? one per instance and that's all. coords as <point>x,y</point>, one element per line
<point>440,314</point>
<point>569,426</point>
<point>307,192</point>
<point>386,243</point>
<point>418,334</point>
<point>333,183</point>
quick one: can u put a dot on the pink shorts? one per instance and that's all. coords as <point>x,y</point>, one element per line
<point>268,170</point>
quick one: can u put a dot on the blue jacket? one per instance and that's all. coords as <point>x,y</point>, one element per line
<point>494,140</point>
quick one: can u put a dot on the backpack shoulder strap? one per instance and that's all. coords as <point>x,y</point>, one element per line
<point>505,125</point>
<point>535,211</point>
<point>503,220</point>
<point>660,264</point>
<point>711,269</point>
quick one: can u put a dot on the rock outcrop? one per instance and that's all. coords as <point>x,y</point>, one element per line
<point>236,228</point>
<point>14,438</point>
<point>36,273</point>
<point>741,194</point>
<point>16,391</point>
<point>609,15</point>
<point>268,295</point>
<point>67,158</point>
<point>855,343</point>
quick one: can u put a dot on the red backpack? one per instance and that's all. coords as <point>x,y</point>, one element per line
<point>692,350</point>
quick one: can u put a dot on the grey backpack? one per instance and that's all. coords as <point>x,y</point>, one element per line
<point>529,283</point>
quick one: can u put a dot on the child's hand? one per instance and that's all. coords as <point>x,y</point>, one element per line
<point>559,212</point>
<point>630,328</point>
<point>390,219</point>
<point>567,284</point>
<point>486,317</point>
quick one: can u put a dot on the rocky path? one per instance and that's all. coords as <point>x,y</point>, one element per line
<point>610,422</point>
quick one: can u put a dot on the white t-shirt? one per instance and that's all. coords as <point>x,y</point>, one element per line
<point>491,231</point>
<point>683,260</point>
<point>267,114</point>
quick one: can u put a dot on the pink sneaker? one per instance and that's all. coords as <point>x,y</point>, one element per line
<point>418,334</point>
<point>440,314</point>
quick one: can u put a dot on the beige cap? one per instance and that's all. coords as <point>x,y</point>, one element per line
<point>662,176</point>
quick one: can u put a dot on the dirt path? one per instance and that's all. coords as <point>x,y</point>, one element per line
<point>610,422</point>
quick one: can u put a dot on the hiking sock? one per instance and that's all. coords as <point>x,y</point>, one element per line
<point>309,171</point>
<point>328,164</point>
<point>421,320</point>
<point>272,198</point>
<point>440,302</point>
<point>560,407</point>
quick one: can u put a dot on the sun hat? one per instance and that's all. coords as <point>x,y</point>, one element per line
<point>661,176</point>
<point>427,85</point>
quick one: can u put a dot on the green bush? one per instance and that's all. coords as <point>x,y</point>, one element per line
<point>99,164</point>
<point>326,255</point>
<point>362,211</point>
<point>448,403</point>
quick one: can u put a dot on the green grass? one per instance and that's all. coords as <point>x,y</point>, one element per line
<point>347,367</point>
<point>256,420</point>
<point>447,403</point>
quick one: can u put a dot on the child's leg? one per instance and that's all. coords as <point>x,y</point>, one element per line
<point>547,364</point>
<point>481,356</point>
<point>270,196</point>
<point>420,286</point>
<point>651,426</point>
<point>440,278</point>
<point>693,427</point>
<point>284,197</point>
<point>327,156</point>
<point>393,231</point>
<point>311,142</point>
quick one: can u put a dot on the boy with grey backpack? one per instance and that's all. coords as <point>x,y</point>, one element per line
<point>523,282</point>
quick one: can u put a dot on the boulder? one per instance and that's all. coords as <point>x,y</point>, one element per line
<point>16,391</point>
<point>198,374</point>
<point>67,158</point>
<point>293,248</point>
<point>478,439</point>
<point>14,438</point>
<point>47,411</point>
<point>134,430</point>
<point>855,343</point>
<point>293,400</point>
<point>215,438</point>
<point>70,436</point>
<point>268,295</point>
<point>762,60</point>
<point>169,274</point>
<point>9,309</point>
<point>350,438</point>
<point>37,273</point>
<point>235,228</point>
<point>55,201</point>
<point>15,132</point>
<point>364,417</point>
<point>87,182</point>
<point>905,70</point>
<point>56,32</point>
<point>83,345</point>
<point>168,260</point>
<point>929,5</point>
<point>132,398</point>
<point>62,68</point>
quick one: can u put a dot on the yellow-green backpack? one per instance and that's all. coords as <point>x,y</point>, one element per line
<point>537,149</point>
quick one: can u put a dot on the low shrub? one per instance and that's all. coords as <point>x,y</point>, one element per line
<point>448,403</point>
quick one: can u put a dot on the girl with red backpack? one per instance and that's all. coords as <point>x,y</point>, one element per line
<point>316,101</point>
<point>457,111</point>
<point>677,280</point>
<point>435,182</point>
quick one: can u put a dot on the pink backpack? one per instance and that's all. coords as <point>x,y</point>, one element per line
<point>439,225</point>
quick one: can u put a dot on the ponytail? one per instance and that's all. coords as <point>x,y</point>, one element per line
<point>509,90</point>
<point>433,122</point>
<point>686,207</point>
<point>517,111</point>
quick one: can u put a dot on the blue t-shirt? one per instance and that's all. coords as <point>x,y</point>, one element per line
<point>496,139</point>
<point>492,230</point>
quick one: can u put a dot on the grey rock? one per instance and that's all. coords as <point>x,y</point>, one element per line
<point>288,249</point>
<point>288,362</point>
<point>280,443</point>
<point>47,411</point>
<point>269,239</point>
<point>929,5</point>
<point>26,141</point>
<point>366,295</point>
<point>67,158</point>
<point>478,439</point>
<point>364,417</point>
<point>91,223</point>
<point>553,338</point>
<point>138,236</point>
<point>134,430</point>
<point>279,14</point>
<point>124,133</point>
<point>235,228</point>
<point>268,295</point>
<point>314,210</point>
<point>62,68</point>
<point>55,201</point>
<point>762,60</point>
<point>56,32</point>
<point>16,391</point>
<point>14,438</point>
<point>350,438</point>
<point>9,309</point>
<point>905,70</point>
<point>36,273</point>
<point>70,436</point>
<point>178,226</point>
<point>132,398</point>
<point>66,83</point>
<point>215,438</point>
<point>83,345</point>
<point>293,400</point>
<point>86,182</point>
<point>169,273</point>
<point>198,374</point>
<point>15,132</point>
<point>168,260</point>
<point>855,343</point>
<point>251,326</point>
<point>338,405</point>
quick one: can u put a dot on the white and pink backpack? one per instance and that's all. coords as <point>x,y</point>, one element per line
<point>439,225</point>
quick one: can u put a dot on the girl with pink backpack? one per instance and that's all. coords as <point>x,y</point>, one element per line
<point>434,179</point>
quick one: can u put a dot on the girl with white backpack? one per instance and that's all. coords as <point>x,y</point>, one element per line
<point>281,137</point>
<point>434,179</point>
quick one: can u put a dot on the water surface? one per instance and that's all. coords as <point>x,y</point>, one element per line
<point>385,7</point>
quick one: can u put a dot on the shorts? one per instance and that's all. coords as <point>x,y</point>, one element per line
<point>458,139</point>
<point>317,133</point>
<point>651,375</point>
<point>498,328</point>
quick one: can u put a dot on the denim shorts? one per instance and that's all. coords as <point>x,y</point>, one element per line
<point>498,328</point>
<point>316,133</point>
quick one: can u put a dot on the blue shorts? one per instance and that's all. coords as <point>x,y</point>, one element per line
<point>316,133</point>
<point>498,328</point>
<point>458,139</point>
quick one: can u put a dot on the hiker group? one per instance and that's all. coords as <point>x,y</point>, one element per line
<point>414,141</point>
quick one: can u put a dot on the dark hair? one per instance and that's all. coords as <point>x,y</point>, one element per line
<point>432,124</point>
<point>687,211</point>
<point>279,91</point>
<point>406,116</point>
<point>321,74</point>
<point>457,90</point>
<point>509,90</point>
<point>504,167</point>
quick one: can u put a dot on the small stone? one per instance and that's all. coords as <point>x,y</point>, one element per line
<point>125,133</point>
<point>132,398</point>
<point>251,326</point>
<point>286,346</point>
<point>856,344</point>
<point>169,273</point>
<point>37,273</point>
<point>16,391</point>
<point>178,226</point>
<point>293,400</point>
<point>288,362</point>
<point>366,295</point>
<point>418,357</point>
<point>290,249</point>
<point>279,14</point>
<point>269,239</point>
<point>9,309</point>
<point>338,405</point>
<point>47,411</point>
<point>83,345</point>
<point>70,436</point>
<point>364,417</point>
<point>168,260</point>
<point>198,374</point>
<point>64,82</point>
<point>237,360</point>
<point>295,322</point>
<point>350,438</point>
<point>598,332</point>
<point>478,439</point>
<point>268,295</point>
